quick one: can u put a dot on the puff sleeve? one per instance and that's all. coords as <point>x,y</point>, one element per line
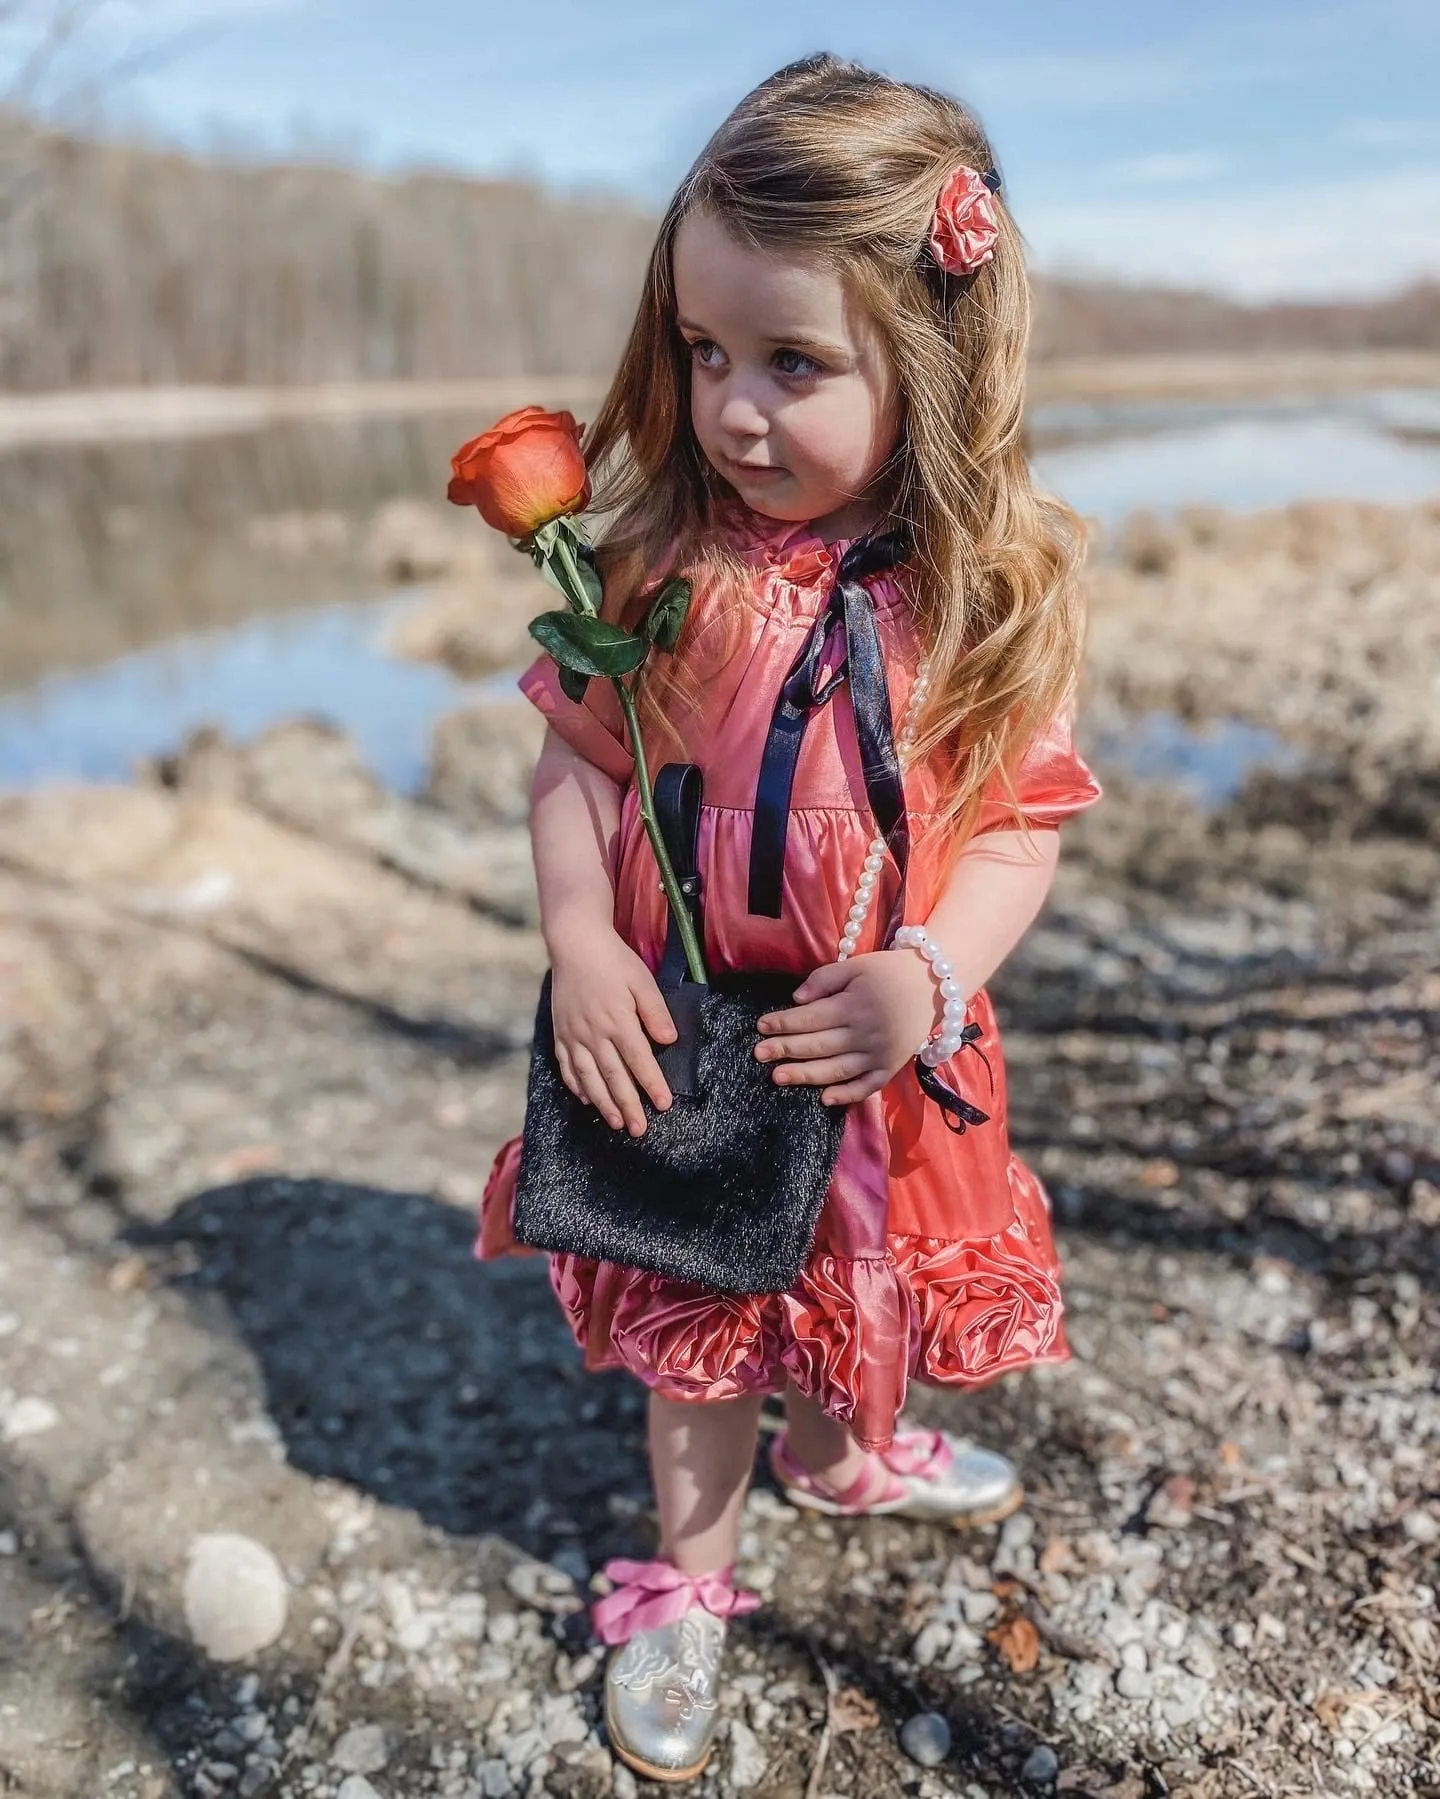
<point>1052,783</point>
<point>594,726</point>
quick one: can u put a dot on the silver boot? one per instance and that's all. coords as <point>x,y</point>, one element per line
<point>661,1696</point>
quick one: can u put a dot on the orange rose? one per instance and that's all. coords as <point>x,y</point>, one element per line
<point>523,471</point>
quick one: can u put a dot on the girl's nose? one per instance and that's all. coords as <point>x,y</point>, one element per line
<point>740,416</point>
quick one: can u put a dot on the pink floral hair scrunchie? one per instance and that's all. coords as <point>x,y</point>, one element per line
<point>964,227</point>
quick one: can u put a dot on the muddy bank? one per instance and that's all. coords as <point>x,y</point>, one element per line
<point>265,1025</point>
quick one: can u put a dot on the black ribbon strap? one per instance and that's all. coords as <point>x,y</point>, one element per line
<point>851,608</point>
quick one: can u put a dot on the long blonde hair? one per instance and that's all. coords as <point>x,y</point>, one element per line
<point>827,161</point>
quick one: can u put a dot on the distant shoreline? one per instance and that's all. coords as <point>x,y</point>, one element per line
<point>107,415</point>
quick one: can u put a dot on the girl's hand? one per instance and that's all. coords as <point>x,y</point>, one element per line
<point>603,1000</point>
<point>860,1022</point>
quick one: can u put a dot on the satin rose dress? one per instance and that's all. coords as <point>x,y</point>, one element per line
<point>933,1260</point>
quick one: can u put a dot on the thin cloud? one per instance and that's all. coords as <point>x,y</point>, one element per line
<point>1394,134</point>
<point>1347,235</point>
<point>1169,169</point>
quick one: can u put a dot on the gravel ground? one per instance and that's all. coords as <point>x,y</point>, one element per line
<point>296,1498</point>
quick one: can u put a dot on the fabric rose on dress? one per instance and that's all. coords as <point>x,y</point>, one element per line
<point>690,1343</point>
<point>522,472</point>
<point>964,228</point>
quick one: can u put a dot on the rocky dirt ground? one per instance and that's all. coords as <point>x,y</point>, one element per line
<point>295,1498</point>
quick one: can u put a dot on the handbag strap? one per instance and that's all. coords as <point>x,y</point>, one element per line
<point>679,788</point>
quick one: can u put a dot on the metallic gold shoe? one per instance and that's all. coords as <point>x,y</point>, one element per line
<point>932,1476</point>
<point>662,1677</point>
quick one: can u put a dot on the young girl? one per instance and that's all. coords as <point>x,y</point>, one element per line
<point>830,344</point>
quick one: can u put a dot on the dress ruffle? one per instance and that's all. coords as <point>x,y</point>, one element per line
<point>850,1335</point>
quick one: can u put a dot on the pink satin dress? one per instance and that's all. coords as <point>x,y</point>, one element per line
<point>934,1259</point>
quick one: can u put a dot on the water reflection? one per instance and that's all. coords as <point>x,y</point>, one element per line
<point>330,663</point>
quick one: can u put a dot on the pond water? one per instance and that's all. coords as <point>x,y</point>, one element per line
<point>330,661</point>
<point>1385,449</point>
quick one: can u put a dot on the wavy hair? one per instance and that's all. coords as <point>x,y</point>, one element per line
<point>830,162</point>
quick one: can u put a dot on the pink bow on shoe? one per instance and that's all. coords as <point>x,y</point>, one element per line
<point>922,1454</point>
<point>649,1594</point>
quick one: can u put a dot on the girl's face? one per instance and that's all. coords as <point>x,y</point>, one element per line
<point>792,396</point>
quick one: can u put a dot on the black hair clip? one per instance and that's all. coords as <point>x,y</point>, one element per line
<point>991,178</point>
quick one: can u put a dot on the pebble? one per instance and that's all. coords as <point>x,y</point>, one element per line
<point>930,1643</point>
<point>1421,1527</point>
<point>925,1738</point>
<point>623,1784</point>
<point>1042,1766</point>
<point>29,1418</point>
<point>235,1595</point>
<point>572,1562</point>
<point>1185,1700</point>
<point>492,1778</point>
<point>748,1760</point>
<point>1200,1661</point>
<point>1133,1683</point>
<point>362,1750</point>
<point>356,1786</point>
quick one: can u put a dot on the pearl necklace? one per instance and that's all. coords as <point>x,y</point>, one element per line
<point>940,1047</point>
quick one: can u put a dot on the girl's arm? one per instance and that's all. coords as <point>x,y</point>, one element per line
<point>603,998</point>
<point>992,897</point>
<point>856,1023</point>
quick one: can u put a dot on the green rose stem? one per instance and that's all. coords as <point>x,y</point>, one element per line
<point>572,583</point>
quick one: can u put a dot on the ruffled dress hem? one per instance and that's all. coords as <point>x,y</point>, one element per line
<point>850,1335</point>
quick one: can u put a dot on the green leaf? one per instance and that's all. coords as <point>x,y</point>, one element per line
<point>591,646</point>
<point>544,538</point>
<point>666,617</point>
<point>573,685</point>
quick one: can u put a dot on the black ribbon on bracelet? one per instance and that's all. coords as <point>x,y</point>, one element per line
<point>959,1113</point>
<point>860,662</point>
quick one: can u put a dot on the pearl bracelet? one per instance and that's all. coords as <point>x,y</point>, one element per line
<point>947,1040</point>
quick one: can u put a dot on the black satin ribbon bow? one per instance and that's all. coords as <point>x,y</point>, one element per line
<point>862,663</point>
<point>849,606</point>
<point>959,1113</point>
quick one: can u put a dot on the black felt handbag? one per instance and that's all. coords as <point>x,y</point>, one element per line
<point>725,1187</point>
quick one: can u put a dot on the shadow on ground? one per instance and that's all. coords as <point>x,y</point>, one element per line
<point>392,1360</point>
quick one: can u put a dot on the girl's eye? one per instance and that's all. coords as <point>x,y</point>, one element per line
<point>706,351</point>
<point>795,362</point>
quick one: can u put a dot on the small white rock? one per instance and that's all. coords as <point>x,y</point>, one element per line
<point>1421,1527</point>
<point>1133,1683</point>
<point>356,1786</point>
<point>29,1418</point>
<point>362,1750</point>
<point>235,1596</point>
<point>748,1760</point>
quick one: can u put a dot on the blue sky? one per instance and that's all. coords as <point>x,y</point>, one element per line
<point>1259,147</point>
